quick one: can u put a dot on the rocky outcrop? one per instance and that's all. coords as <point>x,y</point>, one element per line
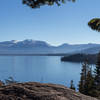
<point>38,91</point>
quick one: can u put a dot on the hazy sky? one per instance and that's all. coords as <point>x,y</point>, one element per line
<point>56,25</point>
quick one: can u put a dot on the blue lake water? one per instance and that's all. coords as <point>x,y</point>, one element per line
<point>45,69</point>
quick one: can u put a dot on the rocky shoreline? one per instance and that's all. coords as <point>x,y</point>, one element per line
<point>39,91</point>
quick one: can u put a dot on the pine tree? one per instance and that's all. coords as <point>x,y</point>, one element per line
<point>97,75</point>
<point>89,84</point>
<point>97,71</point>
<point>72,85</point>
<point>84,72</point>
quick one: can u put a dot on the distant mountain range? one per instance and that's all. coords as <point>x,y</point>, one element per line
<point>41,47</point>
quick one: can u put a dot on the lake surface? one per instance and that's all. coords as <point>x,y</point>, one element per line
<point>44,69</point>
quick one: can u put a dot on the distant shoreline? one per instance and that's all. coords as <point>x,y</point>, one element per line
<point>34,54</point>
<point>79,58</point>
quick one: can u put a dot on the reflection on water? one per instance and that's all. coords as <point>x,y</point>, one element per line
<point>47,69</point>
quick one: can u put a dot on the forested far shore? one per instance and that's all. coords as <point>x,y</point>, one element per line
<point>56,54</point>
<point>80,58</point>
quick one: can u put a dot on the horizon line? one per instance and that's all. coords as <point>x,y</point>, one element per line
<point>52,44</point>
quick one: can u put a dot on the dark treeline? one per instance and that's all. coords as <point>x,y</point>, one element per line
<point>89,83</point>
<point>81,58</point>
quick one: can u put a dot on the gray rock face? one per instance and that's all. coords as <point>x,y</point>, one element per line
<point>38,91</point>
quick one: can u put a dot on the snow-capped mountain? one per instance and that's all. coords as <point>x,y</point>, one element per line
<point>24,47</point>
<point>23,44</point>
<point>41,47</point>
<point>30,44</point>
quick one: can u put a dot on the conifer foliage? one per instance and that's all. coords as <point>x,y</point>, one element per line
<point>89,83</point>
<point>97,72</point>
<point>84,72</point>
<point>38,3</point>
<point>72,85</point>
<point>86,84</point>
<point>97,75</point>
<point>95,24</point>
